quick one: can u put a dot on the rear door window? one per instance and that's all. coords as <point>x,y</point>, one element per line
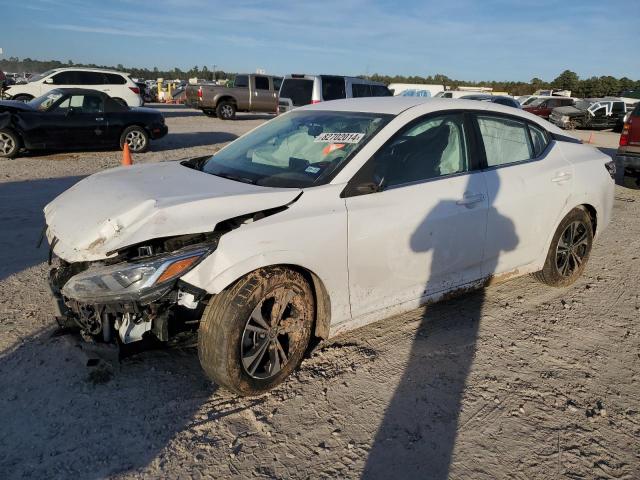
<point>618,107</point>
<point>298,90</point>
<point>333,88</point>
<point>262,83</point>
<point>505,140</point>
<point>90,78</point>
<point>65,78</point>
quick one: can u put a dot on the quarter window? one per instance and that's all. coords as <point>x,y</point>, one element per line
<point>115,79</point>
<point>429,149</point>
<point>505,140</point>
<point>539,139</point>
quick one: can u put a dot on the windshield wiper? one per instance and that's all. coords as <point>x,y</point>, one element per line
<point>235,178</point>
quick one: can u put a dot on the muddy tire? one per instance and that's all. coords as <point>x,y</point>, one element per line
<point>137,138</point>
<point>255,333</point>
<point>9,143</point>
<point>226,111</point>
<point>569,250</point>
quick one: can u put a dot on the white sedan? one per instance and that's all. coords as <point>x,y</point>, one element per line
<point>320,221</point>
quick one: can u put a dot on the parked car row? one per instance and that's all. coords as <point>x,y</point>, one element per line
<point>269,94</point>
<point>595,113</point>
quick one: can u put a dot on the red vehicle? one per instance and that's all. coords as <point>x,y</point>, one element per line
<point>629,149</point>
<point>544,106</point>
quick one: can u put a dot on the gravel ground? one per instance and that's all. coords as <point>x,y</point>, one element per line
<point>515,381</point>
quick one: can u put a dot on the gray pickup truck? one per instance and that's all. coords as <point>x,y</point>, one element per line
<point>249,93</point>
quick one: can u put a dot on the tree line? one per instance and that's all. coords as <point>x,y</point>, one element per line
<point>580,87</point>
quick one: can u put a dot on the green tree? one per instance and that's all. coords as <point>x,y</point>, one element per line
<point>567,80</point>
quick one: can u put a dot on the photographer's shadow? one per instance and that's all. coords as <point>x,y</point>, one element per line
<point>417,436</point>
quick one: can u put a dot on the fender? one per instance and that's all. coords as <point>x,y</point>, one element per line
<point>331,308</point>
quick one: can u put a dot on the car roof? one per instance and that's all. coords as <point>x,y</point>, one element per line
<point>88,69</point>
<point>304,76</point>
<point>398,104</point>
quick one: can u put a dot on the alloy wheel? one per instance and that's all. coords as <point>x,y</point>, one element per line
<point>136,140</point>
<point>272,333</point>
<point>227,111</point>
<point>7,144</point>
<point>572,248</point>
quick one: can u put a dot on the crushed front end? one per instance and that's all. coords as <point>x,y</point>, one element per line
<point>134,295</point>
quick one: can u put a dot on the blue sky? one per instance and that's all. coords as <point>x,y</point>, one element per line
<point>471,40</point>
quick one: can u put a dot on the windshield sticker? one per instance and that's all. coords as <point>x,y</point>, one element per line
<point>339,137</point>
<point>311,169</point>
<point>331,148</point>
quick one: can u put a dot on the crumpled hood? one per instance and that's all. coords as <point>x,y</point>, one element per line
<point>14,105</point>
<point>127,205</point>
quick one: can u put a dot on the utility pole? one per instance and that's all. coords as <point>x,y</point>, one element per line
<point>215,75</point>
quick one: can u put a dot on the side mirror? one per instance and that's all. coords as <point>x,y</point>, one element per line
<point>366,188</point>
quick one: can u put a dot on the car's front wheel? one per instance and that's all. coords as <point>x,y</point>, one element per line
<point>569,250</point>
<point>9,144</point>
<point>136,137</point>
<point>254,334</point>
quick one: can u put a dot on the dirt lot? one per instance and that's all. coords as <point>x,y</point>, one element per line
<point>516,381</point>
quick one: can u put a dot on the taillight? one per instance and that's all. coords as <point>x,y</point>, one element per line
<point>624,138</point>
<point>200,93</point>
<point>315,101</point>
<point>135,90</point>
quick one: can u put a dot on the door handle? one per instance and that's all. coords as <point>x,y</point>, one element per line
<point>99,119</point>
<point>561,177</point>
<point>470,199</point>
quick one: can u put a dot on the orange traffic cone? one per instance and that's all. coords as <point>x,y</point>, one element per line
<point>126,156</point>
<point>590,138</point>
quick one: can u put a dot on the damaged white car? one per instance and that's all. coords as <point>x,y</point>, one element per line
<point>319,221</point>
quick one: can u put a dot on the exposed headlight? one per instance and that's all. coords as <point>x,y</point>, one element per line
<point>131,280</point>
<point>565,118</point>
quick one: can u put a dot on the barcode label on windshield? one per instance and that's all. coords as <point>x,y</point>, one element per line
<point>339,137</point>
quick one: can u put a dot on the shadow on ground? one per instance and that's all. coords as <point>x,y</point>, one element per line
<point>22,221</point>
<point>57,412</point>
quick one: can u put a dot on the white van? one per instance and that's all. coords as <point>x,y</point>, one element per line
<point>117,85</point>
<point>299,89</point>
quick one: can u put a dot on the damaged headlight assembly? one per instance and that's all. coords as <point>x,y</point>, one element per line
<point>133,280</point>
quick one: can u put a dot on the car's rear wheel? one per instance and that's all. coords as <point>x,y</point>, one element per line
<point>9,144</point>
<point>569,250</point>
<point>254,334</point>
<point>136,137</point>
<point>23,98</point>
<point>226,111</point>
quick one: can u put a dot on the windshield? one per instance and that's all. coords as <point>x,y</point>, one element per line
<point>40,76</point>
<point>537,102</point>
<point>299,149</point>
<point>44,102</point>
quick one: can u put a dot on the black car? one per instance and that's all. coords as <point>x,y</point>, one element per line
<point>595,113</point>
<point>501,99</point>
<point>74,118</point>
